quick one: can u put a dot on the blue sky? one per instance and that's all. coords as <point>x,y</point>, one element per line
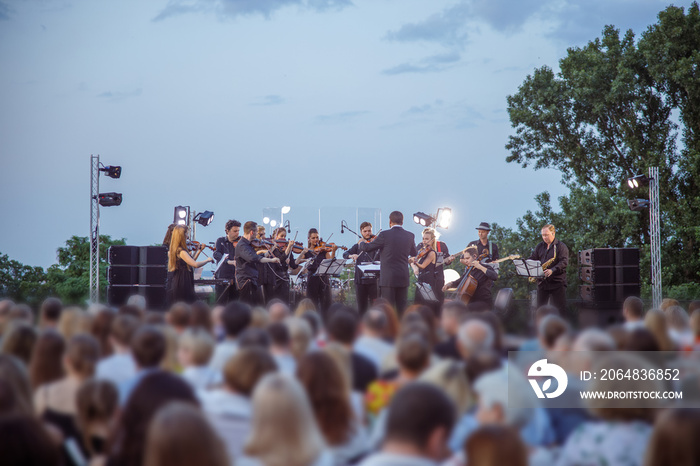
<point>238,105</point>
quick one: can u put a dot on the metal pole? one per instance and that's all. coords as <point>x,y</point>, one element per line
<point>655,236</point>
<point>94,229</point>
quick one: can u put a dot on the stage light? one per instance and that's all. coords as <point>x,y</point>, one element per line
<point>273,223</point>
<point>181,216</point>
<point>637,181</point>
<point>204,218</point>
<point>638,204</point>
<point>444,217</point>
<point>110,199</point>
<point>112,171</point>
<point>286,209</point>
<point>423,219</point>
<point>266,220</point>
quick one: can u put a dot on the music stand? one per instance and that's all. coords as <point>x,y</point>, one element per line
<point>426,291</point>
<point>528,268</point>
<point>369,270</point>
<point>331,267</point>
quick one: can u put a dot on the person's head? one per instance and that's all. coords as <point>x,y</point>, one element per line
<point>96,403</point>
<point>413,355</point>
<point>594,339</point>
<point>496,405</point>
<point>167,239</point>
<point>668,302</point>
<point>148,346</point>
<point>421,418</point>
<point>693,306</point>
<point>677,318</point>
<point>395,218</point>
<point>544,311</point>
<point>259,317</point>
<point>82,355</point>
<point>137,301</point>
<point>200,316</point>
<point>428,318</point>
<point>245,368</point>
<point>450,376</point>
<point>233,230</point>
<point>633,309</point>
<point>453,313</point>
<point>19,341</point>
<point>366,230</point>
<point>50,312</point>
<point>73,321</point>
<point>180,435</point>
<point>326,388</point>
<point>474,335</point>
<point>491,445</point>
<point>253,336</point>
<point>122,330</point>
<point>46,364</point>
<point>640,339</point>
<point>279,335</point>
<point>284,432</point>
<point>133,311</point>
<point>300,335</point>
<point>655,322</point>
<point>280,233</point>
<point>179,316</point>
<point>26,441</point>
<point>155,390</point>
<point>695,322</point>
<point>342,328</point>
<point>429,237</point>
<point>21,313</point>
<point>481,362</point>
<point>392,318</point>
<point>469,255</point>
<point>178,242</point>
<point>100,328</point>
<point>250,230</point>
<point>312,237</point>
<point>483,231</point>
<point>235,318</point>
<point>674,439</point>
<point>304,305</point>
<point>261,231</point>
<point>278,310</point>
<point>5,306</point>
<point>15,376</point>
<point>550,329</point>
<point>195,347</point>
<point>374,323</point>
<point>548,233</point>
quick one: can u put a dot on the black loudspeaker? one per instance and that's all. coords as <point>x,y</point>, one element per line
<point>118,295</point>
<point>124,275</point>
<point>597,257</point>
<point>600,316</point>
<point>609,275</point>
<point>615,293</point>
<point>153,255</point>
<point>627,257</point>
<point>123,255</point>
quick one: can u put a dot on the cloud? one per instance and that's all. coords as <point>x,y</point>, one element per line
<point>342,117</point>
<point>267,100</point>
<point>446,28</point>
<point>441,115</point>
<point>431,64</point>
<point>234,8</point>
<point>119,96</point>
<point>5,11</point>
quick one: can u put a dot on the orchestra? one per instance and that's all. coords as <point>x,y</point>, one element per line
<point>257,269</point>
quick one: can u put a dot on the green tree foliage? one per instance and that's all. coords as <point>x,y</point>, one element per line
<point>610,113</point>
<point>22,283</point>
<point>70,278</point>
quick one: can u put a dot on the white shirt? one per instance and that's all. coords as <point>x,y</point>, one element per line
<point>230,414</point>
<point>222,353</point>
<point>200,377</point>
<point>286,363</point>
<point>117,368</point>
<point>393,459</point>
<point>374,349</point>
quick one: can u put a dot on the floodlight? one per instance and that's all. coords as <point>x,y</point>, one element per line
<point>112,171</point>
<point>266,220</point>
<point>182,215</point>
<point>286,209</point>
<point>423,219</point>
<point>638,204</point>
<point>444,217</point>
<point>204,218</point>
<point>110,199</point>
<point>273,223</point>
<point>637,181</point>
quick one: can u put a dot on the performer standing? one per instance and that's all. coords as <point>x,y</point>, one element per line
<point>180,263</point>
<point>483,274</point>
<point>246,265</point>
<point>424,266</point>
<point>443,258</point>
<point>266,280</point>
<point>365,288</point>
<point>554,256</point>
<point>396,245</point>
<point>483,244</point>
<point>227,271</point>
<point>280,272</point>
<point>318,289</point>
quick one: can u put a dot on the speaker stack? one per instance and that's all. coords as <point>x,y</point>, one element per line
<point>610,275</point>
<point>137,270</point>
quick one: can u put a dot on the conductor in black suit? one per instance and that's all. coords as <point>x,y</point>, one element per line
<point>396,245</point>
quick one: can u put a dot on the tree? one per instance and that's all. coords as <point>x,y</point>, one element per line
<point>607,115</point>
<point>22,283</point>
<point>70,278</point>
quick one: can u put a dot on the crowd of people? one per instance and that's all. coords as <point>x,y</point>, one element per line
<point>274,386</point>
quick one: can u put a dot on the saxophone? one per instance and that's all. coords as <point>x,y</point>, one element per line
<point>546,265</point>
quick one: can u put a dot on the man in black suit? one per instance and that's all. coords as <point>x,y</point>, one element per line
<point>396,245</point>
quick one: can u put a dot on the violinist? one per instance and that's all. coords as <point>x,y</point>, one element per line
<point>280,272</point>
<point>318,288</point>
<point>227,271</point>
<point>181,263</point>
<point>266,280</point>
<point>365,288</point>
<point>483,274</point>
<point>424,267</point>
<point>246,265</point>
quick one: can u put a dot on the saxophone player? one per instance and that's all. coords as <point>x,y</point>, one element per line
<point>554,256</point>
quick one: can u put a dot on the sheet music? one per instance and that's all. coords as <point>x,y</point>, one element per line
<point>221,262</point>
<point>528,268</point>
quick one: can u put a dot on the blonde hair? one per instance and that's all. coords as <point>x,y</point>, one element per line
<point>170,362</point>
<point>431,232</point>
<point>300,335</point>
<point>549,227</point>
<point>341,356</point>
<point>73,321</point>
<point>178,242</point>
<point>199,343</point>
<point>677,318</point>
<point>259,317</point>
<point>284,431</point>
<point>655,322</point>
<point>451,377</point>
<point>304,305</point>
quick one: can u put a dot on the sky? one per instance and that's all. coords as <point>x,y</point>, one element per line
<point>340,109</point>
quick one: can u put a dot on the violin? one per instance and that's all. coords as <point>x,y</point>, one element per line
<point>326,247</point>
<point>194,245</point>
<point>283,243</point>
<point>262,244</point>
<point>423,252</point>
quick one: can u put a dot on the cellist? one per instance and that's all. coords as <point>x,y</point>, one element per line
<point>483,274</point>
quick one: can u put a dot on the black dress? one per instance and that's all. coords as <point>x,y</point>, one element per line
<point>182,284</point>
<point>318,288</point>
<point>427,275</point>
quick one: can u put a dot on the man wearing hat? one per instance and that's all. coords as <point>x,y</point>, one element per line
<point>483,243</point>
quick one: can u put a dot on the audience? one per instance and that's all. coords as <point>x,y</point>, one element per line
<point>371,344</point>
<point>148,350</point>
<point>633,313</point>
<point>19,341</point>
<point>277,310</point>
<point>120,366</point>
<point>280,347</point>
<point>195,348</point>
<point>46,365</point>
<point>342,329</point>
<point>453,314</point>
<point>50,313</point>
<point>96,402</point>
<point>235,318</point>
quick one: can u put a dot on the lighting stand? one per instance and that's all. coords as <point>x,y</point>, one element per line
<point>655,236</point>
<point>94,229</point>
